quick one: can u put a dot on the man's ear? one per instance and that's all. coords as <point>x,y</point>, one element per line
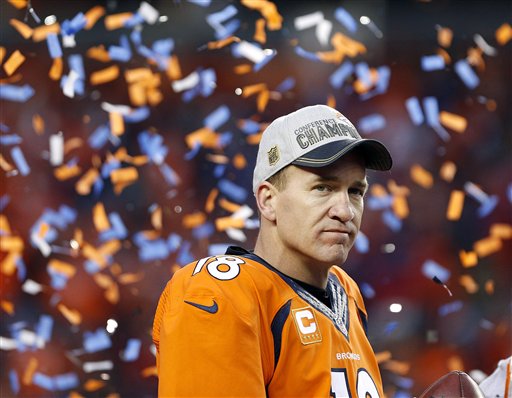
<point>265,198</point>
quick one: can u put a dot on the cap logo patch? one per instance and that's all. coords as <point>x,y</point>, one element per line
<point>273,155</point>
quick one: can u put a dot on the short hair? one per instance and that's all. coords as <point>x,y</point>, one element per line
<point>279,179</point>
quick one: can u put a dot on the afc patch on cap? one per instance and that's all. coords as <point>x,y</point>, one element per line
<point>273,155</point>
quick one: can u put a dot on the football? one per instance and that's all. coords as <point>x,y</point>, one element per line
<point>455,384</point>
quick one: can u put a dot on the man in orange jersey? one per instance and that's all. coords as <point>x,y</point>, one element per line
<point>282,320</point>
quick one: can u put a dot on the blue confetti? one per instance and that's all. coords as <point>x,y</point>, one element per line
<point>258,66</point>
<point>152,146</point>
<point>59,280</point>
<point>203,231</point>
<point>414,108</point>
<point>362,243</point>
<point>249,126</point>
<point>43,381</point>
<point>450,308</point>
<point>10,139</point>
<point>431,107</point>
<point>371,123</point>
<point>16,93</point>
<point>432,62</point>
<point>20,161</point>
<point>379,202</point>
<point>118,53</point>
<point>163,46</point>
<point>431,269</point>
<point>509,194</point>
<point>44,327</point>
<point>78,22</point>
<point>216,249</point>
<point>132,350</point>
<point>344,18</point>
<point>21,268</point>
<point>217,118</point>
<point>341,74</point>
<point>363,73</point>
<point>184,256</point>
<point>14,381</point>
<point>137,115</point>
<point>467,74</point>
<point>487,206</point>
<point>96,341</point>
<point>216,19</point>
<point>76,63</point>
<point>392,221</point>
<point>391,327</point>
<point>233,191</point>
<point>286,85</point>
<point>54,45</point>
<point>367,290</point>
<point>99,137</point>
<point>202,3</point>
<point>219,170</point>
<point>170,176</point>
<point>6,199</point>
<point>136,19</point>
<point>154,250</point>
<point>306,54</point>
<point>66,381</point>
<point>173,242</point>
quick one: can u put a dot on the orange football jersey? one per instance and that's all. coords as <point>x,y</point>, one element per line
<point>234,326</point>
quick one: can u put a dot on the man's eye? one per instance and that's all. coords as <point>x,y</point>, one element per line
<point>357,191</point>
<point>322,188</point>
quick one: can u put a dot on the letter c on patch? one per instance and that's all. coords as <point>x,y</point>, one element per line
<point>305,321</point>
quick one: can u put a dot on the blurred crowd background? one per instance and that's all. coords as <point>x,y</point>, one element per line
<point>128,137</point>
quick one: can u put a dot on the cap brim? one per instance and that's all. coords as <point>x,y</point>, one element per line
<point>376,155</point>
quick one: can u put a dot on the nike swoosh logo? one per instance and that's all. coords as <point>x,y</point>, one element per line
<point>212,309</point>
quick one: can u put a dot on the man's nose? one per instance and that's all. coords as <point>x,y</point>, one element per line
<point>342,208</point>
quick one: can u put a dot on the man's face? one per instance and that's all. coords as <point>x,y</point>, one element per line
<point>319,211</point>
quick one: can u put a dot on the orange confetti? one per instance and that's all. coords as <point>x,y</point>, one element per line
<point>104,75</point>
<point>11,243</point>
<point>254,139</point>
<point>116,123</point>
<point>56,69</point>
<point>444,37</point>
<point>5,229</point>
<point>204,136</point>
<point>489,287</point>
<point>503,34</point>
<point>398,367</point>
<point>8,264</point>
<point>443,53</point>
<point>41,32</point>
<point>38,124</point>
<point>223,223</point>
<point>156,218</point>
<point>7,306</point>
<point>501,231</point>
<point>24,30</point>
<point>455,363</point>
<point>343,47</point>
<point>29,371</point>
<point>468,283</point>
<point>421,176</point>
<point>73,143</point>
<point>331,101</point>
<point>3,51</point>
<point>447,171</point>
<point>84,185</point>
<point>229,206</point>
<point>98,53</point>
<point>239,161</point>
<point>210,200</point>
<point>259,34</point>
<point>455,122</point>
<point>193,220</point>
<point>74,394</point>
<point>93,385</point>
<point>262,101</point>
<point>124,175</point>
<point>383,356</point>
<point>65,172</point>
<point>361,87</point>
<point>214,45</point>
<point>268,10</point>
<point>455,205</point>
<point>93,254</point>
<point>149,371</point>
<point>128,278</point>
<point>400,206</point>
<point>247,91</point>
<point>100,218</point>
<point>218,159</point>
<point>62,267</point>
<point>19,4</point>
<point>378,190</point>
<point>93,15</point>
<point>73,316</point>
<point>173,68</point>
<point>154,97</point>
<point>475,58</point>
<point>468,259</point>
<point>242,69</point>
<point>110,248</point>
<point>133,75</point>
<point>398,190</point>
<point>14,62</point>
<point>487,246</point>
<point>116,21</point>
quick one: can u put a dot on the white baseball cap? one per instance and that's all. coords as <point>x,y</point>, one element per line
<point>313,136</point>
